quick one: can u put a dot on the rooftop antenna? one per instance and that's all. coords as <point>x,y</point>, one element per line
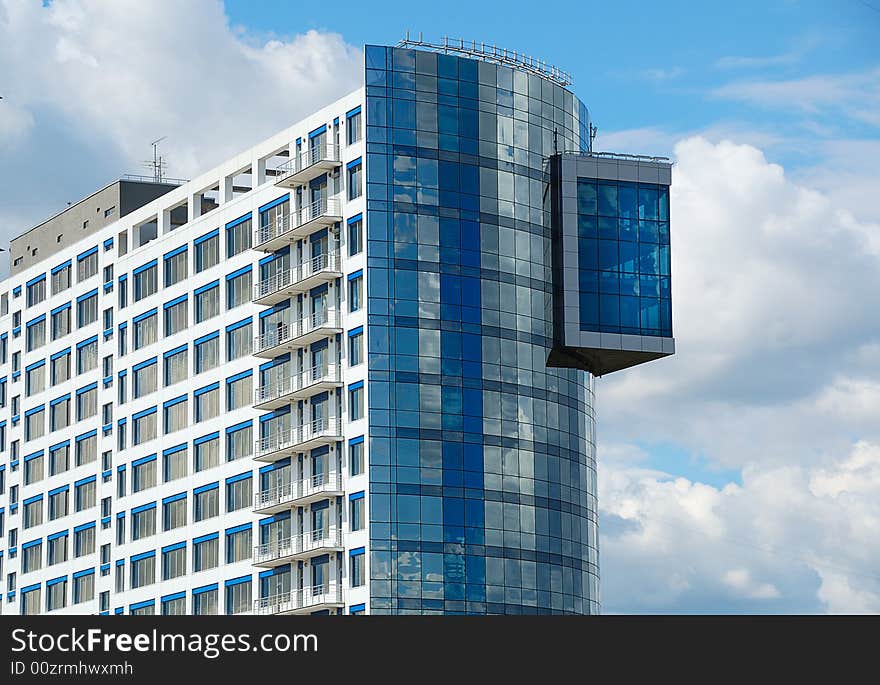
<point>157,165</point>
<point>593,131</point>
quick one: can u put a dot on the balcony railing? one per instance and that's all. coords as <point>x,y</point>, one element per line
<point>298,333</point>
<point>289,227</point>
<point>299,278</point>
<point>300,601</point>
<point>298,384</point>
<point>308,164</point>
<point>301,546</point>
<point>297,438</point>
<point>298,492</point>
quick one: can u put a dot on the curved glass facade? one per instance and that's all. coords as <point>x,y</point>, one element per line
<point>482,459</point>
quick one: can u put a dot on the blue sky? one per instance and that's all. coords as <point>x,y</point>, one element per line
<point>740,475</point>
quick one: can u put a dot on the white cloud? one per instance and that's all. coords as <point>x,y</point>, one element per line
<point>776,376</point>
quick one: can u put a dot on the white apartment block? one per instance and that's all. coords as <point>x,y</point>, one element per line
<point>182,392</point>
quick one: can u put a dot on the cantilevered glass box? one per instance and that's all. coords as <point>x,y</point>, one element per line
<point>609,218</point>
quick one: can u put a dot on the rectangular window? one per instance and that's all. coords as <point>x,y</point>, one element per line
<point>145,282</point>
<point>355,293</point>
<point>87,356</point>
<point>145,331</point>
<point>60,323</point>
<point>357,513</point>
<point>238,545</point>
<point>239,443</point>
<point>174,514</point>
<point>84,541</point>
<point>108,319</point>
<point>35,424</point>
<point>176,267</point>
<point>123,340</point>
<point>207,454</point>
<point>143,475</point>
<point>59,459</point>
<point>356,457</point>
<point>355,348</point>
<point>59,414</point>
<point>353,124</point>
<point>206,504</point>
<point>32,558</point>
<point>87,266</point>
<point>60,279</point>
<point>143,523</point>
<point>175,464</point>
<point>176,367</point>
<point>87,310</point>
<point>56,595</point>
<point>143,571</point>
<point>238,598</point>
<point>357,569</point>
<point>176,416</point>
<point>207,303</point>
<point>207,252</point>
<point>144,428</point>
<point>33,514</point>
<point>207,403</point>
<point>239,494</point>
<point>205,554</point>
<point>205,603</point>
<point>355,237</point>
<point>36,292</point>
<point>174,563</point>
<point>84,496</point>
<point>36,334</point>
<point>239,392</point>
<point>34,471</point>
<point>56,552</point>
<point>123,291</point>
<point>238,237</point>
<point>355,403</point>
<point>86,404</point>
<point>176,319</point>
<point>35,379</point>
<point>239,341</point>
<point>87,449</point>
<point>238,289</point>
<point>107,366</point>
<point>355,180</point>
<point>145,380</point>
<point>83,588</point>
<point>207,354</point>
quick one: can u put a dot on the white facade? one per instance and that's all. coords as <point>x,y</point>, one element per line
<point>229,393</point>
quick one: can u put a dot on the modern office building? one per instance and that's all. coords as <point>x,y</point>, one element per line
<point>347,371</point>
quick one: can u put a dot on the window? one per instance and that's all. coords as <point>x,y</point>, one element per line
<point>123,291</point>
<point>60,322</point>
<point>175,418</point>
<point>207,302</point>
<point>174,512</point>
<point>56,595</point>
<point>356,518</point>
<point>120,482</point>
<point>107,214</point>
<point>59,459</point>
<point>207,353</point>
<point>357,568</point>
<point>207,403</point>
<point>34,423</point>
<point>84,495</point>
<point>33,513</point>
<point>87,355</point>
<point>30,600</point>
<point>145,281</point>
<point>238,544</point>
<point>36,291</point>
<point>355,179</point>
<point>207,452</point>
<point>238,596</point>
<point>87,402</point>
<point>176,366</point>
<point>107,366</point>
<point>84,541</point>
<point>31,557</point>
<point>239,441</point>
<point>356,456</point>
<point>36,333</point>
<point>174,561</point>
<point>355,291</point>
<point>120,576</point>
<point>59,413</point>
<point>205,601</point>
<point>87,448</point>
<point>206,502</point>
<point>353,124</point>
<point>174,463</point>
<point>145,330</point>
<point>107,414</point>
<point>207,249</point>
<point>205,553</point>
<point>238,236</point>
<point>176,319</point>
<point>238,288</point>
<point>34,469</point>
<point>87,309</point>
<point>143,522</point>
<point>58,503</point>
<point>123,339</point>
<point>123,387</point>
<point>144,427</point>
<point>56,552</point>
<point>356,347</point>
<point>143,474</point>
<point>239,391</point>
<point>239,493</point>
<point>83,587</point>
<point>176,266</point>
<point>143,570</point>
<point>108,275</point>
<point>87,265</point>
<point>355,236</point>
<point>108,319</point>
<point>35,379</point>
<point>238,340</point>
<point>356,401</point>
<point>145,378</point>
<point>60,278</point>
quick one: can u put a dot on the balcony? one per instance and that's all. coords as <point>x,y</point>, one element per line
<point>287,337</point>
<point>291,227</point>
<point>298,386</point>
<point>308,165</point>
<point>299,279</point>
<point>298,493</point>
<point>297,547</point>
<point>305,601</point>
<point>286,443</point>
